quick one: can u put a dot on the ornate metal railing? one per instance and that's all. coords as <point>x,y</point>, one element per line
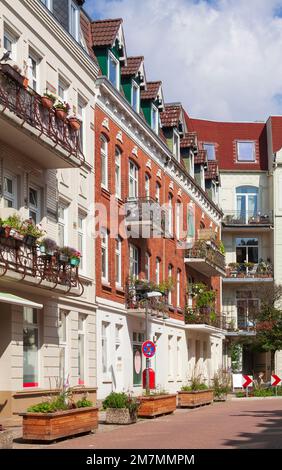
<point>208,252</point>
<point>27,105</point>
<point>27,261</point>
<point>145,210</point>
<point>262,269</point>
<point>248,218</point>
<point>135,297</point>
<point>204,316</point>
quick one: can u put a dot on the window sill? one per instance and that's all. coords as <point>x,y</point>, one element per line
<point>107,381</point>
<point>105,192</point>
<point>120,290</point>
<point>106,286</point>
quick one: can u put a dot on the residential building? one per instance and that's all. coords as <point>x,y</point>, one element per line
<point>47,318</point>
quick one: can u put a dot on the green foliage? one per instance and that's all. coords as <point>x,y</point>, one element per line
<point>196,383</point>
<point>221,384</point>
<point>240,394</point>
<point>203,296</point>
<point>235,354</point>
<point>221,247</point>
<point>63,401</point>
<point>263,392</point>
<point>121,400</point>
<point>84,403</point>
<point>14,221</point>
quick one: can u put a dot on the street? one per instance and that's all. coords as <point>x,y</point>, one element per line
<point>235,424</point>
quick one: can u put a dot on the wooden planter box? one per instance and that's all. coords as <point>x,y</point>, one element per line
<point>51,426</point>
<point>156,405</point>
<point>193,399</point>
<point>119,416</point>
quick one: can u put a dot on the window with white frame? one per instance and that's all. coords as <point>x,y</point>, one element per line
<point>133,180</point>
<point>33,68</point>
<point>158,270</point>
<point>210,149</point>
<point>158,192</point>
<point>81,240</point>
<point>178,287</point>
<point>176,145</point>
<point>74,20</point>
<point>147,266</point>
<point>246,151</point>
<point>202,177</point>
<point>10,43</point>
<point>113,70</point>
<point>81,111</point>
<point>63,224</point>
<point>82,349</point>
<point>155,119</point>
<point>63,87</point>
<point>30,347</point>
<point>178,219</point>
<point>35,204</point>
<point>47,3</point>
<point>118,172</point>
<point>105,359</point>
<point>170,215</point>
<point>104,161</point>
<point>170,356</point>
<point>10,190</point>
<point>118,255</point>
<point>63,346</point>
<point>133,261</point>
<point>147,186</point>
<point>105,254</point>
<point>170,277</point>
<point>135,99</point>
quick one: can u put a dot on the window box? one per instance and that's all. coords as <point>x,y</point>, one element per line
<point>60,424</point>
<point>195,398</point>
<point>74,261</point>
<point>156,405</point>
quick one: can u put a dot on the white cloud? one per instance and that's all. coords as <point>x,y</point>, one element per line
<point>222,60</point>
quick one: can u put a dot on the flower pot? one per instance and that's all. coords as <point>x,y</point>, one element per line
<point>74,261</point>
<point>47,102</point>
<point>29,240</point>
<point>25,82</point>
<point>75,123</point>
<point>63,258</point>
<point>61,114</point>
<point>18,236</point>
<point>120,416</point>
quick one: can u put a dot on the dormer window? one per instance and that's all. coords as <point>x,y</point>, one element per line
<point>176,145</point>
<point>135,99</point>
<point>246,151</point>
<point>113,70</point>
<point>74,20</point>
<point>67,13</point>
<point>47,3</point>
<point>210,149</point>
<point>155,119</point>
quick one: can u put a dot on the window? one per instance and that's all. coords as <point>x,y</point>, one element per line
<point>147,186</point>
<point>135,97</point>
<point>178,219</point>
<point>105,255</point>
<point>178,358</point>
<point>118,172</point>
<point>147,266</point>
<point>63,341</point>
<point>170,355</point>
<point>63,89</point>
<point>47,3</point>
<point>105,366</point>
<point>30,348</point>
<point>170,277</point>
<point>158,270</point>
<point>118,261</point>
<point>74,20</point>
<point>138,339</point>
<point>191,220</point>
<point>158,192</point>
<point>81,348</point>
<point>133,180</point>
<point>155,119</point>
<point>178,286</point>
<point>10,43</point>
<point>176,145</point>
<point>63,224</point>
<point>34,204</point>
<point>133,261</point>
<point>210,149</point>
<point>246,151</point>
<point>170,215</point>
<point>10,190</point>
<point>104,162</point>
<point>202,177</point>
<point>247,308</point>
<point>191,164</point>
<point>246,202</point>
<point>81,240</point>
<point>113,70</point>
<point>246,250</point>
<point>190,292</point>
<point>33,66</point>
<point>81,107</point>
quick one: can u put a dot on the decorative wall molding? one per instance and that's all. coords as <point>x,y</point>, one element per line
<point>119,136</point>
<point>159,174</point>
<point>149,164</point>
<point>135,151</point>
<point>106,123</point>
<point>171,185</point>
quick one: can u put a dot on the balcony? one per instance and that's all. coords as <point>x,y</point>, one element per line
<point>244,325</point>
<point>21,261</point>
<point>206,258</point>
<point>238,220</point>
<point>249,272</point>
<point>34,130</point>
<point>204,319</point>
<point>144,218</point>
<point>136,301</point>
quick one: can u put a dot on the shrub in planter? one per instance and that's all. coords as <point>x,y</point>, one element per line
<point>195,394</point>
<point>156,403</point>
<point>121,408</point>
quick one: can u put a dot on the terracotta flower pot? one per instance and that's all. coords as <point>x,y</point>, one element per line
<point>46,102</point>
<point>61,114</point>
<point>75,123</point>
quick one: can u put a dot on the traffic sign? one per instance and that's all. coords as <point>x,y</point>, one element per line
<point>275,380</point>
<point>148,349</point>
<point>247,381</point>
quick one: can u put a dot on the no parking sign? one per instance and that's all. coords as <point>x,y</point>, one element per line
<point>148,349</point>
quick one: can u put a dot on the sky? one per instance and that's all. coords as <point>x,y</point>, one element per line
<point>222,59</point>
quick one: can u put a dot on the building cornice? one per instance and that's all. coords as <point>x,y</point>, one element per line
<point>117,108</point>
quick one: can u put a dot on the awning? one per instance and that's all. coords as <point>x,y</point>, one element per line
<point>15,300</point>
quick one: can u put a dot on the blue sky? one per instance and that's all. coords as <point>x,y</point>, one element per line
<point>221,59</point>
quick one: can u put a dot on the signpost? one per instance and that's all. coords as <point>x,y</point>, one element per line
<point>247,380</point>
<point>275,381</point>
<point>148,349</point>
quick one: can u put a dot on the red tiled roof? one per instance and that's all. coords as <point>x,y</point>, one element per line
<point>212,171</point>
<point>152,91</point>
<point>85,25</point>
<point>132,66</point>
<point>104,32</point>
<point>189,140</point>
<point>171,115</point>
<point>201,157</point>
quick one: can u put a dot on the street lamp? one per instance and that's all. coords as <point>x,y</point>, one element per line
<point>147,296</point>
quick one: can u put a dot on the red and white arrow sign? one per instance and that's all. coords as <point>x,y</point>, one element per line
<point>275,380</point>
<point>248,381</point>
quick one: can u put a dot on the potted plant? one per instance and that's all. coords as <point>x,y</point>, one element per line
<point>48,100</point>
<point>65,254</point>
<point>75,122</point>
<point>48,246</point>
<point>61,110</point>
<point>221,385</point>
<point>59,417</point>
<point>156,403</point>
<point>121,408</point>
<point>31,232</point>
<point>75,257</point>
<point>195,394</point>
<point>13,227</point>
<point>6,438</point>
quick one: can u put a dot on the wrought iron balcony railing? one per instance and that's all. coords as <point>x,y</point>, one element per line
<point>26,104</point>
<point>44,271</point>
<point>206,255</point>
<point>263,269</point>
<point>245,323</point>
<point>258,218</point>
<point>143,213</point>
<point>204,316</point>
<point>136,299</point>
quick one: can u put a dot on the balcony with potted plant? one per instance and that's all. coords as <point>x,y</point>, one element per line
<point>249,272</point>
<point>136,290</point>
<point>30,124</point>
<point>206,257</point>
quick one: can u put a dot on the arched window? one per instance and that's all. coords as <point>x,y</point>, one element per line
<point>246,202</point>
<point>133,180</point>
<point>104,161</point>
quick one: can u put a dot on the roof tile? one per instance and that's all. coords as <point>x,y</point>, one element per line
<point>171,115</point>
<point>151,92</point>
<point>104,32</point>
<point>132,67</point>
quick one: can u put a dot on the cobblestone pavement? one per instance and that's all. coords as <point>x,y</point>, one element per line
<point>244,424</point>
